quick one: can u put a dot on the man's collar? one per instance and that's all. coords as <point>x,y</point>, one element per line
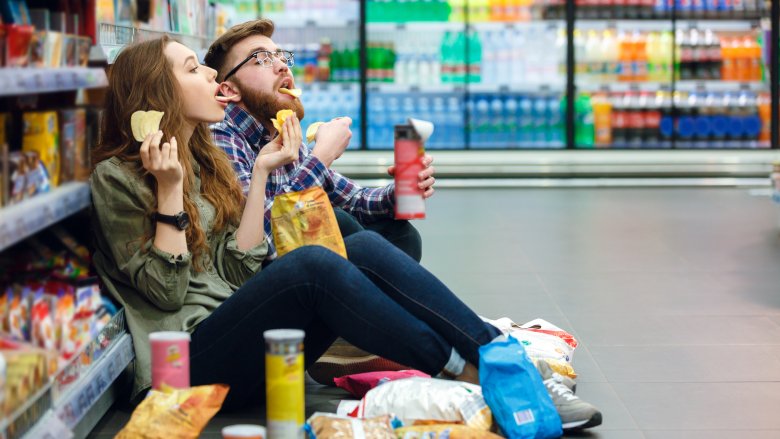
<point>247,125</point>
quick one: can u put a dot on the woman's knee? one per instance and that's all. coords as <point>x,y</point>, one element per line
<point>315,259</point>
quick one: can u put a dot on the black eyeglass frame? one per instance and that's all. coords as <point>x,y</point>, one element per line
<point>289,60</point>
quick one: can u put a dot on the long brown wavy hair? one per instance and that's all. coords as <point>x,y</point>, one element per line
<point>142,78</point>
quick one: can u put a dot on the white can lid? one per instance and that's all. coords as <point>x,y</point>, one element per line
<point>284,335</point>
<point>244,430</point>
<point>169,336</point>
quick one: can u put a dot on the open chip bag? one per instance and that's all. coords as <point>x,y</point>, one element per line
<point>515,393</point>
<point>305,218</point>
<point>175,413</point>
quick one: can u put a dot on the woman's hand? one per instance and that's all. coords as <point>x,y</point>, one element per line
<point>162,161</point>
<point>283,149</point>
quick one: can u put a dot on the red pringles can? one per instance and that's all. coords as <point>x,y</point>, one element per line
<point>409,151</point>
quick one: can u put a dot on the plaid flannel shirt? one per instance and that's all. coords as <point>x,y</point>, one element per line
<point>242,137</point>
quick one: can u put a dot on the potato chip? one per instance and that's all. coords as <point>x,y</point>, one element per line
<point>281,116</point>
<point>295,92</point>
<point>145,122</point>
<point>311,132</point>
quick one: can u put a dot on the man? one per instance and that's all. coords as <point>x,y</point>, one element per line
<point>251,70</point>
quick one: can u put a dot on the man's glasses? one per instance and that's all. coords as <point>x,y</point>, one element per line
<point>266,59</point>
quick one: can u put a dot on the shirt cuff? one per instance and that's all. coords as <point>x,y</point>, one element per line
<point>180,260</point>
<point>251,258</point>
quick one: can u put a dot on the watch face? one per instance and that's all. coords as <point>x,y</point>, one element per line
<point>182,220</point>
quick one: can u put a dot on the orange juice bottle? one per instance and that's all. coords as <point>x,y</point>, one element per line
<point>765,114</point>
<point>755,61</point>
<point>742,59</point>
<point>640,57</point>
<point>602,120</point>
<point>625,58</point>
<point>728,67</point>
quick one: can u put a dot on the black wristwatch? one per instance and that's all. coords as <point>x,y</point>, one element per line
<point>181,220</point>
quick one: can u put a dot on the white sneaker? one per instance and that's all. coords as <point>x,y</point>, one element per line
<point>574,412</point>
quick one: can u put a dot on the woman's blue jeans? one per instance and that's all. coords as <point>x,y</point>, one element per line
<point>380,300</point>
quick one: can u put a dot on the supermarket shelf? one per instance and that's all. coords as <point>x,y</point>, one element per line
<point>329,87</point>
<point>22,81</point>
<point>378,87</point>
<point>112,38</point>
<point>517,88</point>
<point>541,25</point>
<point>30,216</point>
<point>573,164</point>
<point>416,26</point>
<point>666,24</point>
<point>319,23</point>
<point>689,86</point>
<point>78,401</point>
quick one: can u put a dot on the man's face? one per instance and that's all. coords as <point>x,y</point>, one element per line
<point>258,85</point>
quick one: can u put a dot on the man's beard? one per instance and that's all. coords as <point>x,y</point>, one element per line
<point>264,106</point>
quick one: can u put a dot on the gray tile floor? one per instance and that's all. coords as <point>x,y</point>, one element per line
<point>674,295</point>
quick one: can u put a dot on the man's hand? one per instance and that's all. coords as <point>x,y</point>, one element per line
<point>425,179</point>
<point>283,149</point>
<point>332,139</point>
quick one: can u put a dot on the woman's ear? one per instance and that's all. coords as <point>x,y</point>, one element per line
<point>230,91</point>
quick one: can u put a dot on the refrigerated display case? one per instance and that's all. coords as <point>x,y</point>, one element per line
<point>682,74</point>
<point>498,74</point>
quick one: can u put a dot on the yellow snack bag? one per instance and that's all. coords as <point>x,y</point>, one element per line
<point>175,413</point>
<point>281,116</point>
<point>305,218</point>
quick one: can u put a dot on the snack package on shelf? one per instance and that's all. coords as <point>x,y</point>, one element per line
<point>28,369</point>
<point>27,176</point>
<point>41,135</point>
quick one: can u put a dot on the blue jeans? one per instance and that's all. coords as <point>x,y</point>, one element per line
<point>400,233</point>
<point>390,306</point>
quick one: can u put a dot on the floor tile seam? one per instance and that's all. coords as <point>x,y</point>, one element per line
<point>689,382</point>
<point>644,345</point>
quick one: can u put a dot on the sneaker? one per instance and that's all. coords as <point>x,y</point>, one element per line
<point>342,358</point>
<point>566,381</point>
<point>574,412</point>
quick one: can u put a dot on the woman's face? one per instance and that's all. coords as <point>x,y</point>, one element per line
<point>199,88</point>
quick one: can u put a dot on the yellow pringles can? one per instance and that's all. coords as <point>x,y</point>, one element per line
<point>284,383</point>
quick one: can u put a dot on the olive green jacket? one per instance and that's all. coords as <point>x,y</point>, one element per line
<point>159,291</point>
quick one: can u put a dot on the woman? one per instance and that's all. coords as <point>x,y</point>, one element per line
<point>207,277</point>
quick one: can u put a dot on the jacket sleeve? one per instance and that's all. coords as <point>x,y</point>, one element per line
<point>121,202</point>
<point>237,266</point>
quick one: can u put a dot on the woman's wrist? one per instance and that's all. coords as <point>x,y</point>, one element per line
<point>170,199</point>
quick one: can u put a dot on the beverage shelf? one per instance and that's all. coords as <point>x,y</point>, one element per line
<point>688,86</point>
<point>329,87</point>
<point>23,81</point>
<point>661,25</point>
<point>287,22</point>
<point>30,216</point>
<point>541,25</point>
<point>552,87</point>
<point>409,88</point>
<point>416,26</point>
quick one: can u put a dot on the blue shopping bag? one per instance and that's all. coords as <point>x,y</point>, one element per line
<point>515,393</point>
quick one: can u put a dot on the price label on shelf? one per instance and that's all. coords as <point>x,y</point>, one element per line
<point>503,88</point>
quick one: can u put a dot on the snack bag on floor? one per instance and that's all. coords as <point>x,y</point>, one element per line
<point>175,413</point>
<point>360,383</point>
<point>514,390</point>
<point>443,431</point>
<point>428,399</point>
<point>330,426</point>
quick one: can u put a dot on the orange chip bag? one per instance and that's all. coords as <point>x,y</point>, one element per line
<point>175,413</point>
<point>305,218</point>
<point>441,431</point>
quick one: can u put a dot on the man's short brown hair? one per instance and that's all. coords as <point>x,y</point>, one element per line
<point>217,55</point>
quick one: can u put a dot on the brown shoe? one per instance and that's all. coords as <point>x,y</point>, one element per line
<point>342,358</point>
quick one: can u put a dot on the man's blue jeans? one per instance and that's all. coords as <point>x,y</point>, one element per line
<point>400,233</point>
<point>380,300</point>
